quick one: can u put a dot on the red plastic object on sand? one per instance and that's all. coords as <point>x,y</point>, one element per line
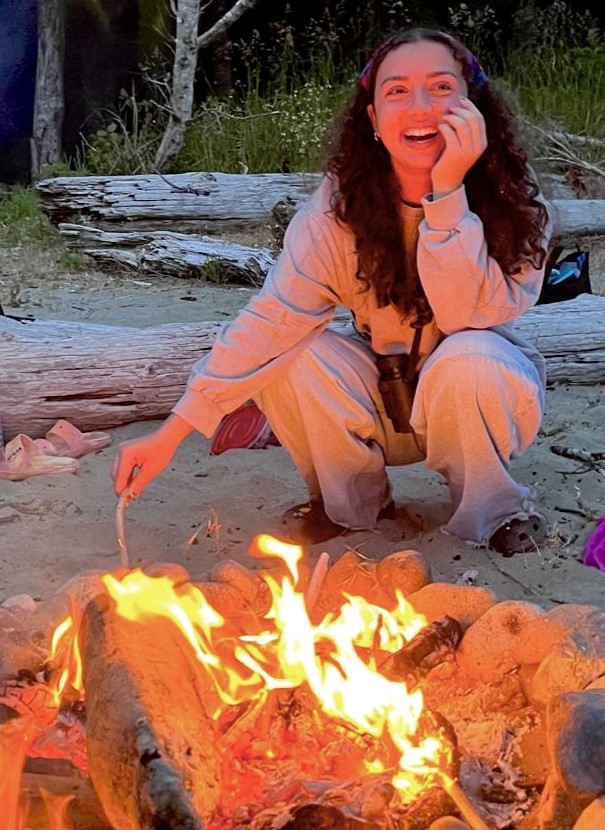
<point>245,428</point>
<point>594,549</point>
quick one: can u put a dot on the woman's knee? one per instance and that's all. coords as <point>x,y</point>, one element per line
<point>481,375</point>
<point>482,361</point>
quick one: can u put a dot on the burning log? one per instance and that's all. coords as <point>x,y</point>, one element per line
<point>150,740</point>
<point>432,646</point>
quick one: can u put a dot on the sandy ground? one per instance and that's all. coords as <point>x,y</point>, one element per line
<point>204,508</point>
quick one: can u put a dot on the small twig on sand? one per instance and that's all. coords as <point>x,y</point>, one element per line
<point>589,460</point>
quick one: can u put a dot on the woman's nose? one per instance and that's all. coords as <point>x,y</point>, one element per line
<point>420,101</point>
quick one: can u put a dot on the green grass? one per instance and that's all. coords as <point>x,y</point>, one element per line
<point>22,220</point>
<point>262,134</point>
<point>561,85</point>
<point>276,119</point>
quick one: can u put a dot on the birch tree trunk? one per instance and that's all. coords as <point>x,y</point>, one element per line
<point>49,101</point>
<point>183,81</point>
<point>187,44</point>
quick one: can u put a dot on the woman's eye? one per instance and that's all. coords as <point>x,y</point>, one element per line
<point>397,90</point>
<point>444,86</point>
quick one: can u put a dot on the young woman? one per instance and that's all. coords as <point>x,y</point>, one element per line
<point>429,227</point>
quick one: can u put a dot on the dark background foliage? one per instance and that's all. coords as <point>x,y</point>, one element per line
<point>107,41</point>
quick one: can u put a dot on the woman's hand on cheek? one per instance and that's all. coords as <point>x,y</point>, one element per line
<point>463,129</point>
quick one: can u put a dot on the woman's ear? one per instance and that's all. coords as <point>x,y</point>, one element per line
<point>371,114</point>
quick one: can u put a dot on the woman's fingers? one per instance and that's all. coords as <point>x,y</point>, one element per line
<point>138,462</point>
<point>121,471</point>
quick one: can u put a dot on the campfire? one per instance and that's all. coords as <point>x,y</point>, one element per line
<point>274,698</point>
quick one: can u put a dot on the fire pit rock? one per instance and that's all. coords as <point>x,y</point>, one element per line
<point>465,603</point>
<point>576,739</point>
<point>487,650</point>
<point>593,817</point>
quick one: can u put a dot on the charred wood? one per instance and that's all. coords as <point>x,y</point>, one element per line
<point>432,646</point>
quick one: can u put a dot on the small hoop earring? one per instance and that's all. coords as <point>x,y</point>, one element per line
<point>376,136</point>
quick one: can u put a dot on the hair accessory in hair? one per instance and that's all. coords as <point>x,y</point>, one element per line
<point>364,78</point>
<point>478,76</point>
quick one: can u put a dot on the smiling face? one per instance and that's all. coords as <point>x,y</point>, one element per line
<point>415,85</point>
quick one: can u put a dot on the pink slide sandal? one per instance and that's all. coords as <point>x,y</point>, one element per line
<point>22,458</point>
<point>66,439</point>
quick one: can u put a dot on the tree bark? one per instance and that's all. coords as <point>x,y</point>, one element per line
<point>183,81</point>
<point>104,376</point>
<point>163,253</point>
<point>187,45</point>
<point>228,19</point>
<point>197,201</point>
<point>49,101</point>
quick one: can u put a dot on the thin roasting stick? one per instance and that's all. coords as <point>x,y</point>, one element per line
<point>123,502</point>
<point>317,578</point>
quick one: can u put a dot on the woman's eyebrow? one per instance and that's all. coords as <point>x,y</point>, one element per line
<point>429,75</point>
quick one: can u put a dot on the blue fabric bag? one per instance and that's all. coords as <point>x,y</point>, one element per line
<point>565,278</point>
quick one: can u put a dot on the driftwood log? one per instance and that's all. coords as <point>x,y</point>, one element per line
<point>166,253</point>
<point>104,376</point>
<point>202,202</point>
<point>151,751</point>
<point>96,376</point>
<point>198,202</point>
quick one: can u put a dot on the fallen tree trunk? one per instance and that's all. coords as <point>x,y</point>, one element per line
<point>104,376</point>
<point>169,254</point>
<point>204,201</point>
<point>96,376</point>
<point>196,202</point>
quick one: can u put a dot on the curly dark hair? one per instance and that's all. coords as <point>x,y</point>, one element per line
<point>500,187</point>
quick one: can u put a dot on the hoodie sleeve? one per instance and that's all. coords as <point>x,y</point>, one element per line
<point>466,288</point>
<point>296,303</point>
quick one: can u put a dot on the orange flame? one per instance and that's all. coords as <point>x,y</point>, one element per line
<point>65,653</point>
<point>56,809</point>
<point>14,741</point>
<point>13,744</point>
<point>290,652</point>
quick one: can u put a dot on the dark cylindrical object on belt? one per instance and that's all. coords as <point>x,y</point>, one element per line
<point>396,390</point>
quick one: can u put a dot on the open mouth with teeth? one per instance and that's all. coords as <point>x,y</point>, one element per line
<point>420,136</point>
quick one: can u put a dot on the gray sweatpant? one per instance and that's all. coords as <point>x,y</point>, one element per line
<point>478,404</point>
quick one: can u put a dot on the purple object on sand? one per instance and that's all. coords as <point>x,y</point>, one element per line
<point>594,549</point>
